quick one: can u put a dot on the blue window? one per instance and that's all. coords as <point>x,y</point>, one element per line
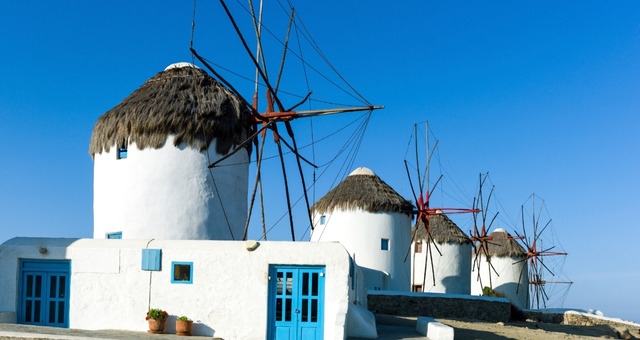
<point>115,235</point>
<point>323,219</point>
<point>151,259</point>
<point>182,272</point>
<point>384,244</point>
<point>122,153</point>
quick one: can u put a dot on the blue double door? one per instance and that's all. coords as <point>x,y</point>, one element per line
<point>296,302</point>
<point>44,293</point>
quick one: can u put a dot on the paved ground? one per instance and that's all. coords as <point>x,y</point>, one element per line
<point>14,331</point>
<point>386,332</point>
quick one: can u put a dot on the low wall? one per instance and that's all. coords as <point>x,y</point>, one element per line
<point>580,319</point>
<point>439,305</point>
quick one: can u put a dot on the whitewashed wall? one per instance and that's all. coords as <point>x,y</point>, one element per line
<point>360,232</point>
<point>228,297</point>
<point>10,253</point>
<point>169,193</point>
<point>512,279</point>
<point>451,268</point>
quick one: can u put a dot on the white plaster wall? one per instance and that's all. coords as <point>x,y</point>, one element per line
<point>360,232</point>
<point>228,297</point>
<point>26,248</point>
<point>512,279</point>
<point>451,268</point>
<point>169,193</point>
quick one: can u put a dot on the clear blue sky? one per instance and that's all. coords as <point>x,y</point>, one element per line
<point>545,96</point>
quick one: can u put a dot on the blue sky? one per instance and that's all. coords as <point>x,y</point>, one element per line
<point>542,95</point>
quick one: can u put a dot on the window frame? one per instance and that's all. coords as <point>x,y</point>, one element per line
<point>173,269</point>
<point>114,235</point>
<point>384,244</point>
<point>121,153</point>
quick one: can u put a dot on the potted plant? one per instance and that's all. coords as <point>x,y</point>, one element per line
<point>157,319</point>
<point>184,325</point>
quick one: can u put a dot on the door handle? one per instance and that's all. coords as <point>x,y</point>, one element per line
<point>297,311</point>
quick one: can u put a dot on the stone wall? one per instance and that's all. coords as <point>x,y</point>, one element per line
<point>580,319</point>
<point>440,306</point>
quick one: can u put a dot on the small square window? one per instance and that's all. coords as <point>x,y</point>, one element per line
<point>122,153</point>
<point>114,235</point>
<point>384,244</point>
<point>181,272</point>
<point>418,247</point>
<point>323,219</point>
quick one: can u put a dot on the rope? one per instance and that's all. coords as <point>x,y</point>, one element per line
<point>215,185</point>
<point>256,184</point>
<point>193,29</point>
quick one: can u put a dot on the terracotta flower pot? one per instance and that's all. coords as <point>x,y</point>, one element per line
<point>156,326</point>
<point>184,327</point>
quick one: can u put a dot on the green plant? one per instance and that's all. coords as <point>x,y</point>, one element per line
<point>156,313</point>
<point>184,318</point>
<point>487,291</point>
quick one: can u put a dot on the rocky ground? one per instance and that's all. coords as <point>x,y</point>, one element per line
<point>472,329</point>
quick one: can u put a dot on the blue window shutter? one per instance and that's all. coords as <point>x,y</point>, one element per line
<point>151,259</point>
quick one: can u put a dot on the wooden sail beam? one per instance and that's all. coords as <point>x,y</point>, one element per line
<point>445,211</point>
<point>285,116</point>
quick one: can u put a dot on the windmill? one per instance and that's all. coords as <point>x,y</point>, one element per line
<point>274,112</point>
<point>484,241</point>
<point>495,252</point>
<point>540,257</point>
<point>428,217</point>
<point>480,237</point>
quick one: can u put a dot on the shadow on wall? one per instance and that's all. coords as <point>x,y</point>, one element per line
<point>202,329</point>
<point>457,284</point>
<point>374,279</point>
<point>517,294</point>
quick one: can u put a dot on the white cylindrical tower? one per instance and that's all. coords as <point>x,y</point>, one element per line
<point>151,154</point>
<point>373,222</point>
<point>507,273</point>
<point>451,265</point>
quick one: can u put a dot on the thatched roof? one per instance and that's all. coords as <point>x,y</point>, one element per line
<point>443,230</point>
<point>362,189</point>
<point>183,101</point>
<point>502,245</point>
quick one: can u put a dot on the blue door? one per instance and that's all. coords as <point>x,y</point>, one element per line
<point>296,303</point>
<point>44,293</point>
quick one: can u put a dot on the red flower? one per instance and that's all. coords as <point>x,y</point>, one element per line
<point>156,313</point>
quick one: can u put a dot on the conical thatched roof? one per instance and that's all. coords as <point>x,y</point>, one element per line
<point>443,230</point>
<point>183,101</point>
<point>362,189</point>
<point>502,245</point>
